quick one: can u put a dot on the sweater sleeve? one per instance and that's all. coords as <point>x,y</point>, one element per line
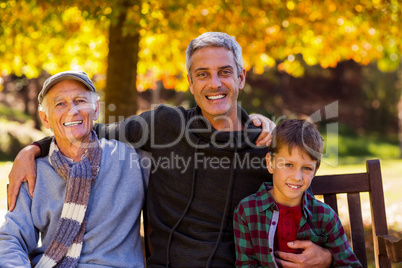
<point>44,145</point>
<point>18,236</point>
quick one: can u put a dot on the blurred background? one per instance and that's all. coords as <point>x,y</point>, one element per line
<point>300,57</point>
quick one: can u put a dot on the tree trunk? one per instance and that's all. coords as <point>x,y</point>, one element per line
<point>121,89</point>
<point>34,100</point>
<point>399,89</point>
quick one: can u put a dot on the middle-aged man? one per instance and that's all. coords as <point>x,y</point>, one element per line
<point>204,162</point>
<point>81,206</point>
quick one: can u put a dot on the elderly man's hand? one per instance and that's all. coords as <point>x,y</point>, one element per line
<point>312,256</point>
<point>24,169</point>
<point>267,125</point>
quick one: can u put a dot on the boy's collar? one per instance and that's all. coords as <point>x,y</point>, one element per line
<point>265,200</point>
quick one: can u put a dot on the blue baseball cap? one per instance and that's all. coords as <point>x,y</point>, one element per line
<point>67,75</point>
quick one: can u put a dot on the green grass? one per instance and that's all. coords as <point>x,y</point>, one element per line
<point>349,147</point>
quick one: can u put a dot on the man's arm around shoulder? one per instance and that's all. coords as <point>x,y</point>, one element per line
<point>24,169</point>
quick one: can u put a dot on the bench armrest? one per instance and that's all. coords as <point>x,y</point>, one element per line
<point>393,245</point>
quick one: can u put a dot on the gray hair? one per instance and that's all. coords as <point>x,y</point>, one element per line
<point>215,39</point>
<point>43,107</point>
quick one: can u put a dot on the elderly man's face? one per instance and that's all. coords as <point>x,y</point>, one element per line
<point>70,112</point>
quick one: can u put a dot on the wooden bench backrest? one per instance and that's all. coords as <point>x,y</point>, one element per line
<point>352,185</point>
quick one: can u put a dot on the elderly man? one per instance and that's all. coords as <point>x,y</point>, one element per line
<point>205,160</point>
<point>81,207</point>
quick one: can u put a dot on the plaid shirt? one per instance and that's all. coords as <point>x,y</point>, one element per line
<point>255,221</point>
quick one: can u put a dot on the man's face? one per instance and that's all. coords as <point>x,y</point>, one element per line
<point>292,175</point>
<point>70,112</point>
<point>215,83</point>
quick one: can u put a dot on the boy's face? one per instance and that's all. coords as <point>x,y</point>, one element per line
<point>292,175</point>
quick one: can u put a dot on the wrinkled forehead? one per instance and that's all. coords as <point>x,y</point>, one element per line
<point>212,57</point>
<point>68,85</point>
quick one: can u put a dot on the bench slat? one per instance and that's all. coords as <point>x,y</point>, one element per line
<point>331,200</point>
<point>356,226</point>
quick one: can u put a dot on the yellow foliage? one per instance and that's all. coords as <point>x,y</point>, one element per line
<point>42,35</point>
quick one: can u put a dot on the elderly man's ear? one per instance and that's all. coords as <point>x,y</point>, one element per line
<point>44,119</point>
<point>96,112</point>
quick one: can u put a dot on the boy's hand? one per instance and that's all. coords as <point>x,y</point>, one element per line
<point>24,169</point>
<point>267,125</point>
<point>312,256</point>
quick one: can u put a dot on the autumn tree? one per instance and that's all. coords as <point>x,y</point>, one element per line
<point>137,42</point>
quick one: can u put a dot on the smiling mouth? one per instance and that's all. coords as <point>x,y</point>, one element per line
<point>216,97</point>
<point>294,186</point>
<point>74,123</point>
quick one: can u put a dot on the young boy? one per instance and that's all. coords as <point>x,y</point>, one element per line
<point>267,220</point>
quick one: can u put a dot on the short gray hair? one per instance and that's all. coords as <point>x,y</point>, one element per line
<point>215,39</point>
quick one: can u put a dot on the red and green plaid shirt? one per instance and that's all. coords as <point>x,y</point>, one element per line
<point>255,222</point>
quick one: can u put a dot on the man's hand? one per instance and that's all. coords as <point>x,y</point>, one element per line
<point>24,169</point>
<point>312,256</point>
<point>267,125</point>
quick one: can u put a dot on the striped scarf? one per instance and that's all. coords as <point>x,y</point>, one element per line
<point>65,248</point>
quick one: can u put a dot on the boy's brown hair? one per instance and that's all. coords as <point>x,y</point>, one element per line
<point>300,134</point>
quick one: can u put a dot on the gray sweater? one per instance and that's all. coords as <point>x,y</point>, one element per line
<point>112,235</point>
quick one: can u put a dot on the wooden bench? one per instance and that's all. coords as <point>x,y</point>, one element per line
<point>352,185</point>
